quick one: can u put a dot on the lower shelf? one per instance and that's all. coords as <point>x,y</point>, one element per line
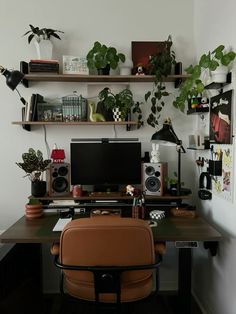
<point>74,123</point>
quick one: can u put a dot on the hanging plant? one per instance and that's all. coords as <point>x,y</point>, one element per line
<point>160,66</point>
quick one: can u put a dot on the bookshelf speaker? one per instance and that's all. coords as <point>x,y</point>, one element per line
<point>153,178</point>
<point>58,179</point>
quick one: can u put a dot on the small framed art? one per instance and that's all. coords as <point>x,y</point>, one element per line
<point>75,65</point>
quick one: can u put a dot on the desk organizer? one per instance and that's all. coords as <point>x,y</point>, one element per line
<point>215,167</point>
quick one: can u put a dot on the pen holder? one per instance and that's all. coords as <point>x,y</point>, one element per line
<point>215,167</point>
<point>138,212</point>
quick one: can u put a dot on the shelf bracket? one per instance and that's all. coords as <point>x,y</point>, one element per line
<point>212,246</point>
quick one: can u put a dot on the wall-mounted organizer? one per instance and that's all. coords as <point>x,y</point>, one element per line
<point>215,167</point>
<point>198,105</point>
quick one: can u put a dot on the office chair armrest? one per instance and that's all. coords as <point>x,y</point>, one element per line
<point>160,248</point>
<point>55,248</point>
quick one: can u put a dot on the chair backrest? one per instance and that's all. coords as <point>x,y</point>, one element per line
<point>107,241</point>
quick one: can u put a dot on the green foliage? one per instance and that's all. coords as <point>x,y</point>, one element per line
<point>38,33</point>
<point>122,100</point>
<point>194,86</point>
<point>159,65</point>
<point>173,180</point>
<point>34,201</point>
<point>33,164</point>
<point>100,56</point>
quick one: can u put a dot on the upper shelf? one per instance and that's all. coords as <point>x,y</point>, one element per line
<point>100,78</point>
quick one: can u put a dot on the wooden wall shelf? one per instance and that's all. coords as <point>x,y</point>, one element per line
<point>74,123</point>
<point>99,78</point>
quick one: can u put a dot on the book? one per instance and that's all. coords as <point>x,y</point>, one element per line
<point>26,127</point>
<point>43,61</point>
<point>29,108</point>
<point>37,99</point>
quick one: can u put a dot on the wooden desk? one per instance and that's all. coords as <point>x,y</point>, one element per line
<point>169,229</point>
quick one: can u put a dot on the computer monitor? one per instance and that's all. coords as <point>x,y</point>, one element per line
<point>105,164</point>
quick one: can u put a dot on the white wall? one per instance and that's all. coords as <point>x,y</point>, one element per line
<point>214,24</point>
<point>109,21</point>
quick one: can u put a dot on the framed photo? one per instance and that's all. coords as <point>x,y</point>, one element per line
<point>75,65</point>
<point>221,118</point>
<point>142,50</point>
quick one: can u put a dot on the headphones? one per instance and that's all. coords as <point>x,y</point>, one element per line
<point>204,193</point>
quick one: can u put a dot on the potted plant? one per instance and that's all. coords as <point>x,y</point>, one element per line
<point>120,103</point>
<point>33,209</point>
<point>34,165</point>
<point>160,66</point>
<point>173,183</point>
<point>208,63</point>
<point>42,38</point>
<point>103,58</point>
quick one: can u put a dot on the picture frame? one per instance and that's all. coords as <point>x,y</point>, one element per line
<point>75,65</point>
<point>142,50</point>
<point>221,118</point>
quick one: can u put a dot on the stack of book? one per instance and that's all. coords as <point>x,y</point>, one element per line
<point>44,66</point>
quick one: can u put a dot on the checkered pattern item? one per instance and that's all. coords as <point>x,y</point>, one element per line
<point>117,114</point>
<point>157,214</point>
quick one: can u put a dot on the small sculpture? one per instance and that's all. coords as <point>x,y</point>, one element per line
<point>140,69</point>
<point>131,190</point>
<point>155,153</point>
<point>93,116</point>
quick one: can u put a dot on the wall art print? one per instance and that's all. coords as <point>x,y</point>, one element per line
<point>222,186</point>
<point>221,118</point>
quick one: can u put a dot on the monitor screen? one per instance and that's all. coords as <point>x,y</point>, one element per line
<point>105,163</point>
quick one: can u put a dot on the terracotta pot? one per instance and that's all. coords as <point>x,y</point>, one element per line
<point>33,211</point>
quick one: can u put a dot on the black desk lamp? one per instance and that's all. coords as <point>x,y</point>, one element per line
<point>167,136</point>
<point>13,78</point>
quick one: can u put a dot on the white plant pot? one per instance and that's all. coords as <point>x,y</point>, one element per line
<point>220,74</point>
<point>44,49</point>
<point>117,115</point>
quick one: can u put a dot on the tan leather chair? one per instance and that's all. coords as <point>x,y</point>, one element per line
<point>107,259</point>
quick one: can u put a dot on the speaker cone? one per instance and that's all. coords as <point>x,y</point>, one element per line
<point>62,171</point>
<point>150,170</point>
<point>60,185</point>
<point>152,184</point>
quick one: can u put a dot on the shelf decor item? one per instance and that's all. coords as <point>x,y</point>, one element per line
<point>34,166</point>
<point>42,41</point>
<point>120,103</point>
<point>75,65</point>
<point>103,58</point>
<point>33,209</point>
<point>207,64</point>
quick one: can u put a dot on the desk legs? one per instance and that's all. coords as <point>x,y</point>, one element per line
<point>184,282</point>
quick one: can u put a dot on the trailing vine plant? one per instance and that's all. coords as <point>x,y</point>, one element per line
<point>160,66</point>
<point>194,86</point>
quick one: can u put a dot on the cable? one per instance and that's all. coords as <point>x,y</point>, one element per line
<point>46,142</point>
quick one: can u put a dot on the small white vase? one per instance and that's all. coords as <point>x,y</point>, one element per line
<point>220,74</point>
<point>44,49</point>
